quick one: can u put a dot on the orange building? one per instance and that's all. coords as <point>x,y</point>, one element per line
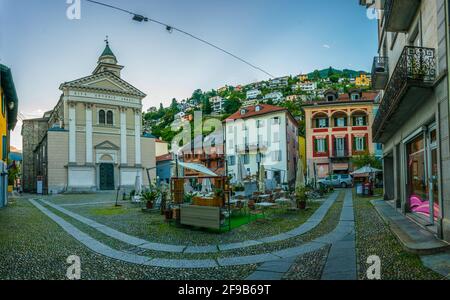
<point>337,128</point>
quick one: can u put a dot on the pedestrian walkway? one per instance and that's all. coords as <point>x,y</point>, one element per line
<point>413,238</point>
<point>341,261</point>
<point>309,225</point>
<point>271,258</point>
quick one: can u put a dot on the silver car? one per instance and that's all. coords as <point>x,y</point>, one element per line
<point>339,180</point>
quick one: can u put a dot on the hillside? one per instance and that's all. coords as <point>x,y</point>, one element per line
<point>345,73</point>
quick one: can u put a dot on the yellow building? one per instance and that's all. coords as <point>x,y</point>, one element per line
<point>363,80</point>
<point>303,78</point>
<point>8,120</point>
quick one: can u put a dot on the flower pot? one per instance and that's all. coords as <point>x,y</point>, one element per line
<point>302,205</point>
<point>149,205</point>
<point>168,214</point>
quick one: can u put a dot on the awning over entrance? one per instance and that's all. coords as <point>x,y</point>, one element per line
<point>340,167</point>
<point>199,168</point>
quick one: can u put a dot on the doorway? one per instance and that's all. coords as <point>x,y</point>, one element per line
<point>106,177</point>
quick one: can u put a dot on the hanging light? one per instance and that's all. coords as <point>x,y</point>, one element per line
<point>11,105</point>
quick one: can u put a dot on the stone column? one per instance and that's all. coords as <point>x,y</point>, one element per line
<point>72,133</point>
<point>137,132</point>
<point>123,136</point>
<point>89,150</point>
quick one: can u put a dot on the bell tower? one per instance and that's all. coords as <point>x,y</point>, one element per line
<point>107,62</point>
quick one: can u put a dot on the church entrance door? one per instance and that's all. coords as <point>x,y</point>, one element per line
<point>106,177</point>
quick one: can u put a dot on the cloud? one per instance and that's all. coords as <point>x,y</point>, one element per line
<point>326,46</point>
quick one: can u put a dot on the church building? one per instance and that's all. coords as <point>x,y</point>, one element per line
<point>94,139</point>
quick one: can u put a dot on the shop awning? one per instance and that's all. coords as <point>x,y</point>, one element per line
<point>199,168</point>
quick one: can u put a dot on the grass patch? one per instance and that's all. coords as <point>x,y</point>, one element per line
<point>109,211</point>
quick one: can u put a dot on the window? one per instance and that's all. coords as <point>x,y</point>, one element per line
<point>330,98</point>
<point>3,104</point>
<point>340,122</point>
<point>360,121</point>
<point>322,123</point>
<point>230,144</point>
<point>276,121</point>
<point>243,111</point>
<point>4,148</point>
<point>102,117</point>
<point>360,144</point>
<point>258,108</point>
<point>321,145</point>
<point>276,137</point>
<point>259,123</point>
<point>246,159</point>
<point>276,155</point>
<point>355,97</point>
<point>232,160</point>
<point>110,118</point>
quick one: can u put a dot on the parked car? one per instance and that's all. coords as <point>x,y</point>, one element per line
<point>339,180</point>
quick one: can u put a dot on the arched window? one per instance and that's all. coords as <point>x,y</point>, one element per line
<point>101,117</point>
<point>109,118</point>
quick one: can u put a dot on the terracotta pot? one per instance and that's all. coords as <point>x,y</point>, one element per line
<point>149,205</point>
<point>302,205</point>
<point>168,214</point>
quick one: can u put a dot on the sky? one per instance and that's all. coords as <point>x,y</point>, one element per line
<point>44,48</point>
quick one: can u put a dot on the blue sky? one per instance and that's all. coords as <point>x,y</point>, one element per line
<point>44,48</point>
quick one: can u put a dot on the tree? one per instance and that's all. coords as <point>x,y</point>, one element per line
<point>174,105</point>
<point>335,78</point>
<point>366,160</point>
<point>316,75</point>
<point>330,72</point>
<point>206,106</point>
<point>232,105</point>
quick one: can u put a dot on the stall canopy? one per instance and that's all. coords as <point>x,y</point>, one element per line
<point>366,170</point>
<point>199,168</point>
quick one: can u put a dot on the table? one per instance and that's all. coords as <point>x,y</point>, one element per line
<point>264,206</point>
<point>263,197</point>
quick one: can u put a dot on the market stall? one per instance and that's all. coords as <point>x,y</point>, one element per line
<point>207,204</point>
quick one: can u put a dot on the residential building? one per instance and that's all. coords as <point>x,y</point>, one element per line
<point>338,127</point>
<point>251,102</point>
<point>95,139</point>
<point>34,130</point>
<point>217,104</point>
<point>279,82</point>
<point>207,151</point>
<point>164,165</point>
<point>363,80</point>
<point>412,121</point>
<point>303,77</point>
<point>8,120</point>
<point>253,94</point>
<point>161,147</point>
<point>239,88</point>
<point>274,96</point>
<point>263,134</point>
<point>292,98</point>
<point>309,86</point>
<point>224,89</point>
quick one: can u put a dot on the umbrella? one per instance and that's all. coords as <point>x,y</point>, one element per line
<point>206,186</point>
<point>262,178</point>
<point>242,172</point>
<point>137,183</point>
<point>366,170</point>
<point>300,178</point>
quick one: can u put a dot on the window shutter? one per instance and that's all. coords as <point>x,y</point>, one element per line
<point>354,143</point>
<point>315,146</point>
<point>326,144</point>
<point>346,122</point>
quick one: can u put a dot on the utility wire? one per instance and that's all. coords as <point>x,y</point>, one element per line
<point>170,28</point>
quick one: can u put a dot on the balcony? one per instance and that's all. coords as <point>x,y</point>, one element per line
<point>399,14</point>
<point>380,73</point>
<point>410,83</point>
<point>252,147</point>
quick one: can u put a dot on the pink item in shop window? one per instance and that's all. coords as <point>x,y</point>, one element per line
<point>415,201</point>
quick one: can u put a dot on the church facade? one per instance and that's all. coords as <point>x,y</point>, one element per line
<point>95,139</point>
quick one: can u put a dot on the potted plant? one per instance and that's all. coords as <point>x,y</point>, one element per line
<point>301,197</point>
<point>150,196</point>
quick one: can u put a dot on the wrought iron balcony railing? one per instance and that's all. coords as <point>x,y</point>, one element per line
<point>415,67</point>
<point>380,72</point>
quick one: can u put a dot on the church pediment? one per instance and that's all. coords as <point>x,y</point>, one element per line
<point>105,81</point>
<point>106,146</point>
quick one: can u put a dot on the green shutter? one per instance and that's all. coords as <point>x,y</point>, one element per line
<point>354,143</point>
<point>326,144</point>
<point>317,123</point>
<point>315,146</point>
